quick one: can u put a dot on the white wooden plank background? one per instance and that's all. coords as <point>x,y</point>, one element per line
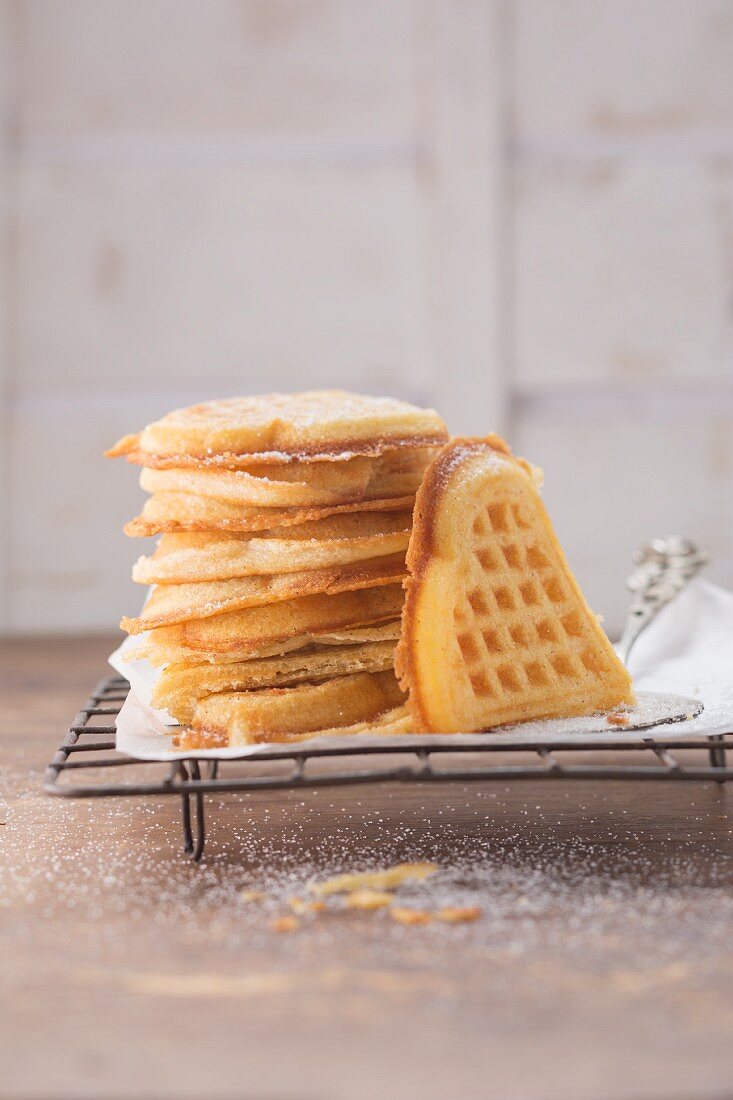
<point>520,210</point>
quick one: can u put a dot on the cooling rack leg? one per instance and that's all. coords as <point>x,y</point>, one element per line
<point>717,755</point>
<point>193,846</point>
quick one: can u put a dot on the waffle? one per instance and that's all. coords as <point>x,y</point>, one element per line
<point>275,428</point>
<point>237,635</point>
<point>495,628</point>
<point>283,714</point>
<point>159,652</point>
<point>181,685</point>
<point>175,511</point>
<point>298,485</point>
<point>390,723</point>
<point>322,544</point>
<point>169,604</point>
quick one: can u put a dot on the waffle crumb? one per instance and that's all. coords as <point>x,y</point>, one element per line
<point>387,879</point>
<point>252,895</point>
<point>285,924</point>
<point>454,915</point>
<point>298,905</point>
<point>617,720</point>
<point>410,916</point>
<point>368,900</point>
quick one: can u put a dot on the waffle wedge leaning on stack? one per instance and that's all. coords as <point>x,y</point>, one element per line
<point>495,628</point>
<point>277,594</point>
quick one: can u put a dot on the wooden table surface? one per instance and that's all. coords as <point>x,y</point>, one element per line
<point>601,968</point>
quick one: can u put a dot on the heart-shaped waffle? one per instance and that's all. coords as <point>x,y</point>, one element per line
<point>495,629</point>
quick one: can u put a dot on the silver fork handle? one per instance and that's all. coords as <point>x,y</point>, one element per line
<point>664,568</point>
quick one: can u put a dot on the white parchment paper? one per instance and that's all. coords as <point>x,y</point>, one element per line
<point>687,651</point>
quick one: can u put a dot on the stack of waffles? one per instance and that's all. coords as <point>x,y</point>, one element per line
<point>277,581</point>
<point>289,526</point>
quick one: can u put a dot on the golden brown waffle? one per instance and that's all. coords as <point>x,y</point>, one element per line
<point>284,714</point>
<point>391,723</point>
<point>237,635</point>
<point>169,604</point>
<point>324,424</point>
<point>161,652</point>
<point>181,685</point>
<point>173,512</point>
<point>298,485</point>
<point>495,627</point>
<point>339,540</point>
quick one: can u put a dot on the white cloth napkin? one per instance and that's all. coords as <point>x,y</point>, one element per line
<point>687,650</point>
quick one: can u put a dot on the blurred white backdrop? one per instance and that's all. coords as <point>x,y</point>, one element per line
<point>520,211</point>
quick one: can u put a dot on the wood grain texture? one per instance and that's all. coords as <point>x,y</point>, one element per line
<point>463,55</point>
<point>470,203</point>
<point>640,254</point>
<point>8,182</point>
<point>601,966</point>
<point>635,70</point>
<point>249,68</point>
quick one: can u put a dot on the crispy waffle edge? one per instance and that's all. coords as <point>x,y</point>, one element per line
<point>128,448</point>
<point>421,550</point>
<point>376,573</point>
<point>259,520</point>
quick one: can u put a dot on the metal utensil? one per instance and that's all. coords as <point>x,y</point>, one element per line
<point>664,568</point>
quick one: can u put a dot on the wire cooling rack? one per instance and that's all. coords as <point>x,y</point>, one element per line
<point>87,764</point>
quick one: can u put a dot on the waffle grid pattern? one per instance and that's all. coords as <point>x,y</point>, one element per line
<point>517,622</point>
